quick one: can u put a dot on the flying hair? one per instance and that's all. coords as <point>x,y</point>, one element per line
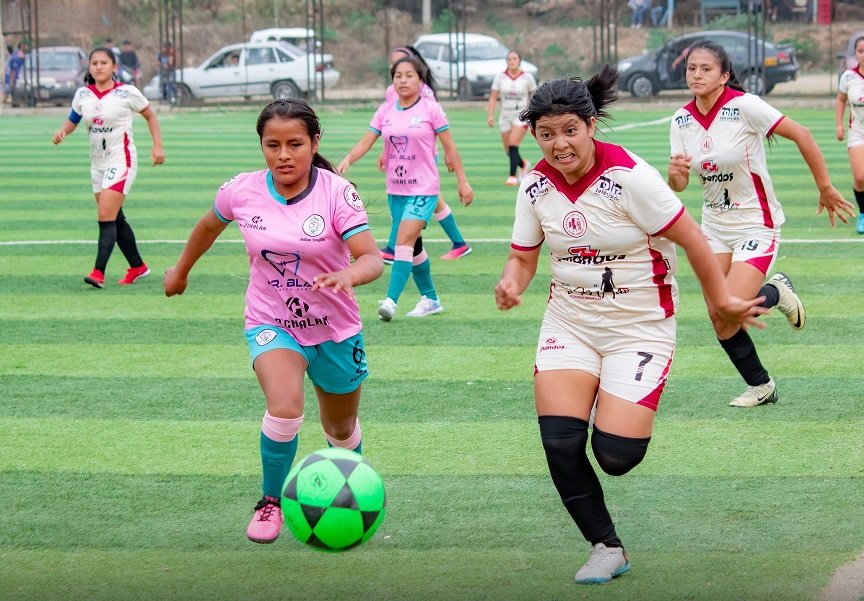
<point>573,95</point>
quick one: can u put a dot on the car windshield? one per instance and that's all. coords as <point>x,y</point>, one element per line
<point>58,61</point>
<point>484,52</point>
<point>292,49</point>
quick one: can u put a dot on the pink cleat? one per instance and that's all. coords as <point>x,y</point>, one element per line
<point>96,278</point>
<point>386,255</point>
<point>133,274</point>
<point>267,521</point>
<point>512,181</point>
<point>456,252</point>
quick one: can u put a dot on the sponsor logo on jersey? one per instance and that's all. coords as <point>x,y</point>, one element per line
<point>400,143</point>
<point>352,198</point>
<point>265,337</point>
<point>724,204</point>
<point>551,344</point>
<point>228,183</point>
<point>608,188</point>
<point>575,225</point>
<point>303,322</point>
<point>297,307</point>
<point>591,257</point>
<point>256,223</point>
<point>121,93</point>
<point>709,166</point>
<point>537,189</point>
<point>716,177</point>
<point>707,145</point>
<point>683,121</point>
<point>728,113</point>
<point>282,262</point>
<point>314,226</point>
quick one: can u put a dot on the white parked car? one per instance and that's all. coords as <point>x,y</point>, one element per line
<point>467,65</point>
<point>260,69</point>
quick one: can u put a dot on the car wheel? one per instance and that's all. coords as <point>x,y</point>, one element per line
<point>184,95</point>
<point>464,90</point>
<point>285,89</point>
<point>753,83</point>
<point>769,88</point>
<point>641,86</point>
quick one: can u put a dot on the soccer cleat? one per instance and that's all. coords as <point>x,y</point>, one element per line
<point>604,564</point>
<point>458,250</point>
<point>267,521</point>
<point>386,254</point>
<point>757,395</point>
<point>133,274</point>
<point>96,278</point>
<point>425,306</point>
<point>386,309</point>
<point>859,225</point>
<point>512,181</point>
<point>526,168</point>
<point>789,304</point>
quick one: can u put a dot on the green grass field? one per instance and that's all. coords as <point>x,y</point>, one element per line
<point>129,422</point>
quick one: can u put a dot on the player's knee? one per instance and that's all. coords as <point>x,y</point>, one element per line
<point>561,434</point>
<point>617,455</point>
<point>858,183</point>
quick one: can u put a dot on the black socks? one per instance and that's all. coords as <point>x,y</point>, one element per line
<point>515,160</point>
<point>742,353</point>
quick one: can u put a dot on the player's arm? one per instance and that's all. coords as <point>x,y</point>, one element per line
<point>67,128</point>
<point>840,113</point>
<point>678,173</point>
<point>203,236</point>
<point>360,148</point>
<point>454,163</point>
<point>366,267</point>
<point>493,96</point>
<point>688,235</point>
<point>518,272</point>
<point>157,154</point>
<point>829,197</point>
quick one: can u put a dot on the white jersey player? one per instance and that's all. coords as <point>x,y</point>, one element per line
<point>514,87</point>
<point>610,225</point>
<point>850,91</point>
<point>107,109</point>
<point>720,136</point>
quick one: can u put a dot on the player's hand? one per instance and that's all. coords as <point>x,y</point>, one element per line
<point>59,136</point>
<point>337,281</point>
<point>737,311</point>
<point>173,283</point>
<point>448,162</point>
<point>382,163</point>
<point>506,296</point>
<point>343,166</point>
<point>831,199</point>
<point>679,165</point>
<point>157,155</point>
<point>490,122</point>
<point>840,133</point>
<point>466,193</point>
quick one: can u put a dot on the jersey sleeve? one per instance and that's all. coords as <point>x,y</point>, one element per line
<point>496,83</point>
<point>77,104</point>
<point>224,204</point>
<point>760,115</point>
<point>843,84</point>
<point>438,118</point>
<point>349,215</point>
<point>527,228</point>
<point>650,202</point>
<point>378,118</point>
<point>532,83</point>
<point>676,140</point>
<point>136,99</point>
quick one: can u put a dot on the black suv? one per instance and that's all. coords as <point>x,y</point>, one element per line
<point>647,74</point>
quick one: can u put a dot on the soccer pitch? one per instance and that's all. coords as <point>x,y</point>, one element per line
<point>129,422</point>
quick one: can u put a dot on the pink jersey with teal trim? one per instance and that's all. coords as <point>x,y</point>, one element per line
<point>289,242</point>
<point>610,267</point>
<point>409,145</point>
<point>728,150</point>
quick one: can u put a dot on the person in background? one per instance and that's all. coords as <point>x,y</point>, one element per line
<point>600,210</point>
<point>167,73</point>
<point>14,68</point>
<point>851,91</point>
<point>129,61</point>
<point>107,107</point>
<point>639,8</point>
<point>720,135</point>
<point>514,87</point>
<point>309,245</point>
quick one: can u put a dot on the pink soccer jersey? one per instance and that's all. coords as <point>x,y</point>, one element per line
<point>852,84</point>
<point>409,145</point>
<point>289,242</point>
<point>608,268</point>
<point>108,117</point>
<point>392,96</point>
<point>728,150</point>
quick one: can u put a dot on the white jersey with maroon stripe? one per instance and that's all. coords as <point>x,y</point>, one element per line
<point>108,117</point>
<point>852,84</point>
<point>514,91</point>
<point>728,150</point>
<point>608,268</point>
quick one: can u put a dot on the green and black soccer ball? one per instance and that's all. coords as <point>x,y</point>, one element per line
<point>333,499</point>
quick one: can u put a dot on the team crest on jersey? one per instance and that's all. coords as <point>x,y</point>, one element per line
<point>537,189</point>
<point>707,145</point>
<point>608,188</point>
<point>575,225</point>
<point>352,198</point>
<point>265,337</point>
<point>313,226</point>
<point>683,121</point>
<point>415,121</point>
<point>729,113</point>
<point>228,183</point>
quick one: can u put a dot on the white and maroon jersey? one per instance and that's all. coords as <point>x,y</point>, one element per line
<point>290,241</point>
<point>728,150</point>
<point>852,84</point>
<point>108,116</point>
<point>608,266</point>
<point>514,91</point>
<point>425,92</point>
<point>409,145</point>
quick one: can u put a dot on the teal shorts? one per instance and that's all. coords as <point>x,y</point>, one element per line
<point>412,207</point>
<point>335,367</point>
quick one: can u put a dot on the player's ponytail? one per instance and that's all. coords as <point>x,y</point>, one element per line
<point>572,95</point>
<point>295,108</point>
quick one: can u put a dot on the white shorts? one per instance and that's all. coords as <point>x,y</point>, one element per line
<point>507,120</point>
<point>854,137</point>
<point>755,245</point>
<point>116,176</point>
<point>631,361</point>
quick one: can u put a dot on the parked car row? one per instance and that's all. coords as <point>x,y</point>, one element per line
<point>60,72</point>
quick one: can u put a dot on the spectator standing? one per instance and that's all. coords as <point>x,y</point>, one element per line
<point>129,61</point>
<point>167,75</point>
<point>639,8</point>
<point>13,69</point>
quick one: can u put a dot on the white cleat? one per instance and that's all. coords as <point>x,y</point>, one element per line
<point>386,309</point>
<point>604,564</point>
<point>757,395</point>
<point>789,304</point>
<point>425,306</point>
